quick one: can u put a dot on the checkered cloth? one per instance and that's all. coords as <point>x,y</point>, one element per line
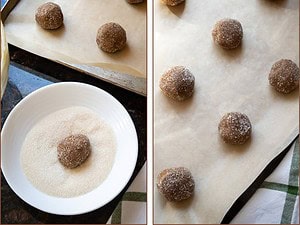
<point>132,208</point>
<point>277,200</point>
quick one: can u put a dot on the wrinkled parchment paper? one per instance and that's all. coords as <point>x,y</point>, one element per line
<point>75,42</point>
<point>186,133</point>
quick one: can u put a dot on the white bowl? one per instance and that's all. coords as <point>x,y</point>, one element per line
<point>49,99</point>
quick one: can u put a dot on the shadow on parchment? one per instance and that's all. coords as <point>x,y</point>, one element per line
<point>229,54</point>
<point>178,9</point>
<point>280,4</point>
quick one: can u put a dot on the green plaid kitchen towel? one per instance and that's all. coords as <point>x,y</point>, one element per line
<point>277,200</point>
<point>132,208</point>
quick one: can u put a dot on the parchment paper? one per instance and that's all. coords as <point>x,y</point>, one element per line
<point>75,42</point>
<point>186,133</point>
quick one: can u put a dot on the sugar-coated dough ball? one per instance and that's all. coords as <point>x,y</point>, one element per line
<point>235,128</point>
<point>134,1</point>
<point>284,76</point>
<point>228,33</point>
<point>176,184</point>
<point>49,16</point>
<point>177,83</point>
<point>111,37</point>
<point>172,2</point>
<point>73,150</point>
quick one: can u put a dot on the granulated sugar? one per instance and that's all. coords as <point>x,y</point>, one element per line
<point>39,153</point>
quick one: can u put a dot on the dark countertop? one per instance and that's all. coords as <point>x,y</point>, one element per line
<point>29,72</point>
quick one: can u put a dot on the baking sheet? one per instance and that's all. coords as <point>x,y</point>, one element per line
<point>75,42</point>
<point>186,133</point>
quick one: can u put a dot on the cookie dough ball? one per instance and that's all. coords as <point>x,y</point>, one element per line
<point>177,83</point>
<point>49,16</point>
<point>172,2</point>
<point>73,150</point>
<point>176,184</point>
<point>228,33</point>
<point>134,1</point>
<point>284,76</point>
<point>111,37</point>
<point>235,128</point>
